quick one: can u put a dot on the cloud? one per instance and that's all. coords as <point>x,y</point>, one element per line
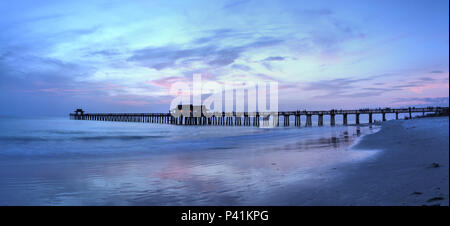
<point>225,57</point>
<point>167,81</point>
<point>316,12</point>
<point>164,57</point>
<point>217,34</point>
<point>420,84</point>
<point>427,79</point>
<point>53,86</point>
<point>25,70</point>
<point>436,72</point>
<point>333,85</point>
<point>337,95</point>
<point>241,67</point>
<point>133,102</point>
<point>346,88</point>
<point>265,77</point>
<point>36,19</point>
<point>381,89</point>
<point>433,101</point>
<point>173,56</point>
<point>408,85</point>
<point>274,58</point>
<point>81,31</point>
<point>43,76</point>
<point>267,61</point>
<point>104,52</point>
<point>235,4</point>
<point>331,36</point>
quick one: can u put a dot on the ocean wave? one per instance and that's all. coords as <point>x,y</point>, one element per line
<point>21,139</point>
<point>121,137</point>
<point>64,132</point>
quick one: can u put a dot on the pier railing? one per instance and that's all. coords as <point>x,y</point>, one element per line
<point>254,118</point>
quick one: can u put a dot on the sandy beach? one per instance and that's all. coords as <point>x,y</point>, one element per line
<point>411,168</point>
<point>403,162</point>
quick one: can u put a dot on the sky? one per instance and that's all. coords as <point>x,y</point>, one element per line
<point>123,55</point>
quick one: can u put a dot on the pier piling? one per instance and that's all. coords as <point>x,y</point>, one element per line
<point>308,120</point>
<point>252,118</point>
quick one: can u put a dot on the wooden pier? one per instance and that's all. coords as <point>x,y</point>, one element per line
<point>255,118</point>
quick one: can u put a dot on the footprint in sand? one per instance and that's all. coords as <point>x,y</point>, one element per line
<point>435,165</point>
<point>435,199</point>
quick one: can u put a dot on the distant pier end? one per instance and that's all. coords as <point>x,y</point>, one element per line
<point>250,118</point>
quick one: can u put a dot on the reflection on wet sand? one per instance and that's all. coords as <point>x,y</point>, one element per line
<point>62,162</point>
<point>228,173</point>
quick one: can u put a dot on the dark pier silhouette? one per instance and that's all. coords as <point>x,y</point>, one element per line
<point>253,118</point>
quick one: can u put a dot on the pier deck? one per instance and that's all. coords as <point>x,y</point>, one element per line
<point>254,118</point>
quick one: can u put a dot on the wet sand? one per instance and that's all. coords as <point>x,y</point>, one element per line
<point>411,168</point>
<point>131,164</point>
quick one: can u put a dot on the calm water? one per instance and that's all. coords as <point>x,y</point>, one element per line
<point>56,161</point>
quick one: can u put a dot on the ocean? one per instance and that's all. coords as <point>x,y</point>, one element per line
<point>57,161</point>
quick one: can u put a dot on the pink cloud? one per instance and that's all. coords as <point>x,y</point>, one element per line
<point>167,82</point>
<point>87,88</point>
<point>132,102</point>
<point>420,89</point>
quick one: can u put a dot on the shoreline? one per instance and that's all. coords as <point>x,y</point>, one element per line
<point>411,169</point>
<point>392,166</point>
<point>223,168</point>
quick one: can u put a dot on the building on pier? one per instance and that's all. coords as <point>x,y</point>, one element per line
<point>78,114</point>
<point>196,111</point>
